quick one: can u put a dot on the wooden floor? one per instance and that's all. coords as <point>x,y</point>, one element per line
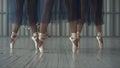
<point>58,54</point>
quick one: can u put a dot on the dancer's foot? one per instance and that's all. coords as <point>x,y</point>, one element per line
<point>100,39</point>
<point>13,39</point>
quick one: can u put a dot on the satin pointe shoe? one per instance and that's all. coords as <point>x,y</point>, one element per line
<point>74,41</point>
<point>42,38</point>
<point>12,39</point>
<point>35,39</point>
<point>78,37</point>
<point>99,39</point>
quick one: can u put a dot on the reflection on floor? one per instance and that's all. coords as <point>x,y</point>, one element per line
<point>58,54</point>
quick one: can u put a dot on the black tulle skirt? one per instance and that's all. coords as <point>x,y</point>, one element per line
<point>91,11</point>
<point>36,11</point>
<point>84,11</point>
<point>55,11</point>
<point>73,8</point>
<point>23,11</point>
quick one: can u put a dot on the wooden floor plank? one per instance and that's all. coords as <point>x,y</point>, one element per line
<point>58,54</point>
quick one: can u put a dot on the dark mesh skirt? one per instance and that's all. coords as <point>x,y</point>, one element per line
<point>54,11</point>
<point>73,8</point>
<point>23,11</point>
<point>43,11</point>
<point>91,11</point>
<point>57,11</point>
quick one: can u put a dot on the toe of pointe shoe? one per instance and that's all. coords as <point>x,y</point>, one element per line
<point>12,43</point>
<point>74,45</point>
<point>75,49</point>
<point>78,44</point>
<point>41,49</point>
<point>100,43</point>
<point>11,46</point>
<point>101,46</point>
<point>35,42</point>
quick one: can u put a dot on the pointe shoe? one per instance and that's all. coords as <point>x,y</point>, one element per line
<point>100,40</point>
<point>42,38</point>
<point>12,39</point>
<point>74,41</point>
<point>78,37</point>
<point>35,38</point>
